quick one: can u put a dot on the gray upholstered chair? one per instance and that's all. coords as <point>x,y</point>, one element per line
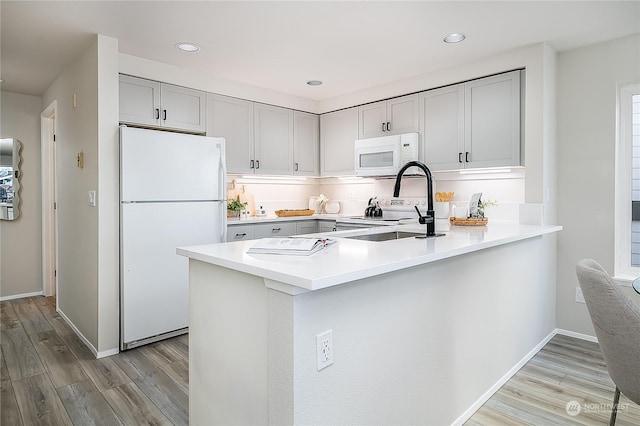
<point>616,319</point>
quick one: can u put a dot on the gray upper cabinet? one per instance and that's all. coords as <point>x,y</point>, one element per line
<point>306,144</point>
<point>492,121</point>
<point>338,133</point>
<point>472,125</point>
<point>390,117</point>
<point>150,103</point>
<point>273,138</point>
<point>442,127</point>
<point>232,119</point>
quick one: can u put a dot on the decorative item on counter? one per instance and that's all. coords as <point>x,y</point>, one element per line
<point>298,212</point>
<point>234,206</point>
<point>473,205</point>
<point>332,207</point>
<point>244,214</point>
<point>444,196</point>
<point>320,202</point>
<point>476,212</point>
<point>240,193</point>
<point>261,211</point>
<point>373,208</point>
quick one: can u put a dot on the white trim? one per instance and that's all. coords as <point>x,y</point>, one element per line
<point>580,336</point>
<point>622,222</point>
<point>504,379</point>
<point>86,341</point>
<point>20,296</point>
<point>48,123</point>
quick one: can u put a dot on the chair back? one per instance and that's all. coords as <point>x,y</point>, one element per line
<point>616,319</point>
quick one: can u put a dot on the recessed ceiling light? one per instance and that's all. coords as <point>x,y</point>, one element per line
<point>454,38</point>
<point>314,82</point>
<point>187,47</point>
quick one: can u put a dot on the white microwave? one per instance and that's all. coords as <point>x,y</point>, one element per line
<point>385,156</point>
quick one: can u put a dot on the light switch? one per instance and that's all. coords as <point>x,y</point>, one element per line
<point>92,198</point>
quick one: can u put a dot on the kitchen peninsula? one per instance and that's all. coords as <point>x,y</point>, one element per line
<point>423,330</point>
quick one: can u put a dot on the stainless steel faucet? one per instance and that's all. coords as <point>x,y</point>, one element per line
<point>429,219</point>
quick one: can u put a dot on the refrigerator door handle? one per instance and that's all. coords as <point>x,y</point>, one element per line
<point>222,184</point>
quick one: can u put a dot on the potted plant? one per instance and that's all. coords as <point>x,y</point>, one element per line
<point>234,206</point>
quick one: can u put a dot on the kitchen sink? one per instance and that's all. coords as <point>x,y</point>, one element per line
<point>386,236</point>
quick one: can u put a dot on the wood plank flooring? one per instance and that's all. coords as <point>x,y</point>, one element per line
<point>49,377</point>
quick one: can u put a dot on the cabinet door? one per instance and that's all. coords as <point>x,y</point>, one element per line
<point>306,227</point>
<point>442,127</point>
<point>274,230</point>
<point>183,108</point>
<point>372,120</point>
<point>402,115</point>
<point>240,232</point>
<point>139,101</point>
<point>232,119</point>
<point>273,136</point>
<point>306,144</point>
<point>492,121</point>
<point>338,133</point>
<point>326,226</point>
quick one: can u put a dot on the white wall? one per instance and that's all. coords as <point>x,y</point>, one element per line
<point>417,346</point>
<point>20,239</point>
<point>586,94</point>
<point>88,236</point>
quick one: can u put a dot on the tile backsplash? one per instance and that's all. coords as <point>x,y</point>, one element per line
<point>353,197</point>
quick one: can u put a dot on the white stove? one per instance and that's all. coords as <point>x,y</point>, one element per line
<point>394,212</point>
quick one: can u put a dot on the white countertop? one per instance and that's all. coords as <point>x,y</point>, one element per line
<point>273,218</point>
<point>351,259</point>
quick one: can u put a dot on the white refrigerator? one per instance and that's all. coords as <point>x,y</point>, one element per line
<point>172,193</point>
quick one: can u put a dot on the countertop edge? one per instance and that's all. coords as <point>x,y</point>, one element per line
<point>345,277</point>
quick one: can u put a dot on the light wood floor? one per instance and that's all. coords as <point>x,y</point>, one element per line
<point>50,378</point>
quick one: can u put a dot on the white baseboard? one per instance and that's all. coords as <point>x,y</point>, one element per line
<point>504,379</point>
<point>86,341</point>
<point>576,335</point>
<point>20,296</point>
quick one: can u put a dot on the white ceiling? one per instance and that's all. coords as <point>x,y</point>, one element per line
<point>350,46</point>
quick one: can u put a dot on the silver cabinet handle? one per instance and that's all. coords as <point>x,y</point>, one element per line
<point>459,157</point>
<point>251,166</point>
<point>383,127</point>
<point>157,114</point>
<point>466,157</point>
<point>296,169</point>
<point>276,229</point>
<point>241,235</point>
<point>257,164</point>
<point>164,114</point>
<point>388,126</point>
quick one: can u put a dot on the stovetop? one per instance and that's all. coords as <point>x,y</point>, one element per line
<point>394,210</point>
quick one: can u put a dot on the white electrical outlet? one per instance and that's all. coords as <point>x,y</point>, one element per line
<point>579,295</point>
<point>352,196</point>
<point>324,349</point>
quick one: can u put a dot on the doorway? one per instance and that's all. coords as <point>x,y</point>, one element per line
<point>49,210</point>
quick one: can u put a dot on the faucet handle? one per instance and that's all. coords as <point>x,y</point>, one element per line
<point>423,220</point>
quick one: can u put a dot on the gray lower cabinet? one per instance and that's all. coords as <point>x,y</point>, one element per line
<point>306,227</point>
<point>240,232</point>
<point>276,229</point>
<point>279,229</point>
<point>326,225</point>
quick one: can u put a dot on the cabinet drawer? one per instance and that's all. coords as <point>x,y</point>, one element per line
<point>269,230</point>
<point>240,232</point>
<point>326,226</point>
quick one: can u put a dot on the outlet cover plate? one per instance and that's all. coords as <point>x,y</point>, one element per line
<point>324,349</point>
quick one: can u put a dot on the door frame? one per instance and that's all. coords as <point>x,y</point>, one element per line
<point>48,121</point>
